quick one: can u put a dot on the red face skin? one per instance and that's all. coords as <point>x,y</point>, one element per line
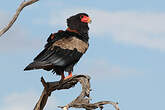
<point>85,19</point>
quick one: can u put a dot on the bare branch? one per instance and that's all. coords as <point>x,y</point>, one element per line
<point>82,101</point>
<point>20,8</point>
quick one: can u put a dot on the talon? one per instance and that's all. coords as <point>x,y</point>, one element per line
<point>62,76</point>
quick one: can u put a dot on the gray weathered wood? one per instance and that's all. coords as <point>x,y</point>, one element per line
<point>20,8</point>
<point>82,101</point>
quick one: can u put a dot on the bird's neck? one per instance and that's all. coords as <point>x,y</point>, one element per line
<point>84,36</point>
<point>71,30</point>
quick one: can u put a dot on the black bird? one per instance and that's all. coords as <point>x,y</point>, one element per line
<point>64,48</point>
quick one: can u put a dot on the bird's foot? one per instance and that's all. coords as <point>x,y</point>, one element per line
<point>69,76</point>
<point>64,78</point>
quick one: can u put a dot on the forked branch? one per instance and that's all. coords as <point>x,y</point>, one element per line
<point>82,101</point>
<point>20,8</point>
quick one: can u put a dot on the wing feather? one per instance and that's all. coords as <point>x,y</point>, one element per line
<point>62,52</point>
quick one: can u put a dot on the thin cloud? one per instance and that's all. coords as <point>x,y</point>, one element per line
<point>102,69</point>
<point>19,101</point>
<point>25,101</point>
<point>136,28</point>
<point>3,18</point>
<point>16,38</point>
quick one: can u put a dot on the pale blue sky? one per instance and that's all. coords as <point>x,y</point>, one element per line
<point>125,58</point>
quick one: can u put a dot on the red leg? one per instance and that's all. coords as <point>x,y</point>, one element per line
<point>62,76</point>
<point>69,76</point>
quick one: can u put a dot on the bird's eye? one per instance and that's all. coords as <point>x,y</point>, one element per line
<point>81,16</point>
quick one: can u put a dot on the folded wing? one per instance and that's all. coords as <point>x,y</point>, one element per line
<point>62,53</point>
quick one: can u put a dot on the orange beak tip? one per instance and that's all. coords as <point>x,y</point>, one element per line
<point>89,21</point>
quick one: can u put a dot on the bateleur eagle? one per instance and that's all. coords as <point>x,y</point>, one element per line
<point>64,48</point>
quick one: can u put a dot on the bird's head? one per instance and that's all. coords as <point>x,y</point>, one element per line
<point>79,22</point>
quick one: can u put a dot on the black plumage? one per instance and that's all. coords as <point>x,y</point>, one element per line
<point>64,48</point>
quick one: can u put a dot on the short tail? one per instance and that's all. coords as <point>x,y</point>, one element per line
<point>36,65</point>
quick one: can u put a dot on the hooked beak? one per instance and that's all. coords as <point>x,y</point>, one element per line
<point>89,20</point>
<point>86,19</point>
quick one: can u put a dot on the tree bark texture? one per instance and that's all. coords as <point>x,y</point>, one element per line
<point>82,101</point>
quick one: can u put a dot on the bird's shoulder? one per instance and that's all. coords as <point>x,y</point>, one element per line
<point>56,36</point>
<point>67,40</point>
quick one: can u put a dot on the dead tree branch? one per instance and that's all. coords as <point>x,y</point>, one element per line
<point>20,8</point>
<point>82,101</point>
